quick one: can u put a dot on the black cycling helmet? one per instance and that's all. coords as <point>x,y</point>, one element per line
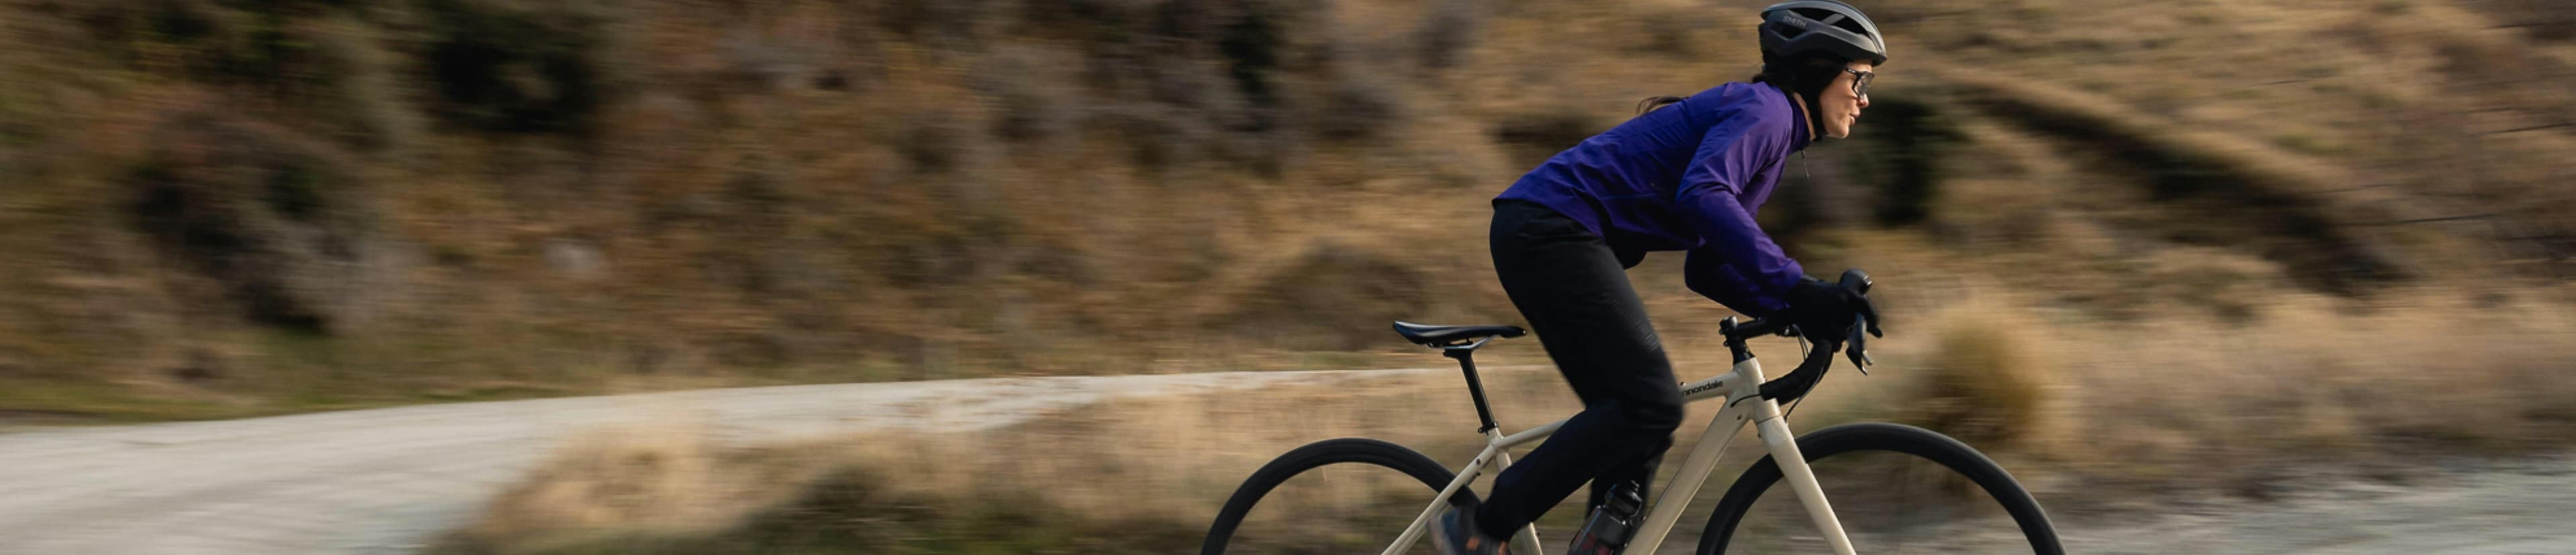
<point>1803,27</point>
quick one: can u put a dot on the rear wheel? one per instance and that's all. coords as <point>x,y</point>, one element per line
<point>1347,454</point>
<point>1895,488</point>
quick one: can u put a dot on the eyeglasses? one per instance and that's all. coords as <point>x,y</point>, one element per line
<point>1860,81</point>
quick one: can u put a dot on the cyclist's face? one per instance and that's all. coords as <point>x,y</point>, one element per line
<point>1841,105</point>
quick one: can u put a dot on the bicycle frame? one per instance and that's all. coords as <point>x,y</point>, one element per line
<point>1742,389</point>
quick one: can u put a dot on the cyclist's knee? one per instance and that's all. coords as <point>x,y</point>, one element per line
<point>1656,415</point>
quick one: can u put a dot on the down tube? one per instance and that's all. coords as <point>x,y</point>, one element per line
<point>1676,496</point>
<point>1801,479</point>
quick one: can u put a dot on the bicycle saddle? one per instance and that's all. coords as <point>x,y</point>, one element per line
<point>1440,336</point>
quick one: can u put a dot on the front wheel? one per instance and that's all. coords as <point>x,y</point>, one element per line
<point>1356,452</point>
<point>1866,483</point>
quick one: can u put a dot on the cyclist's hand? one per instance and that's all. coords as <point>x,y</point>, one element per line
<point>1830,311</point>
<point>1821,310</point>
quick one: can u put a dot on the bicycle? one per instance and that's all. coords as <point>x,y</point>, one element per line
<point>1749,398</point>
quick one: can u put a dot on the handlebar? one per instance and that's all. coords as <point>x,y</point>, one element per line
<point>1819,359</point>
<point>1757,327</point>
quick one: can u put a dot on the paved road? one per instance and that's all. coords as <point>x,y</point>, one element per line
<point>387,480</point>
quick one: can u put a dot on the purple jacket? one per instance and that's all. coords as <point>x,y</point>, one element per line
<point>1687,177</point>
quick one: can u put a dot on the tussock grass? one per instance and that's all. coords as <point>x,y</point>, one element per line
<point>1992,378</point>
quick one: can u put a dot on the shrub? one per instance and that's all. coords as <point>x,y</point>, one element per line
<point>364,100</point>
<point>1029,92</point>
<point>1448,31</point>
<point>1157,137</point>
<point>2545,20</point>
<point>1358,108</point>
<point>501,66</point>
<point>303,55</point>
<point>947,23</point>
<point>276,220</point>
<point>1536,136</point>
<point>1913,142</point>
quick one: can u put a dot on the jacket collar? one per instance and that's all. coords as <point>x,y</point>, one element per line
<point>1801,133</point>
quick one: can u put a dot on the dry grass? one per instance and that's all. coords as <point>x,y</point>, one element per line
<point>2242,242</point>
<point>803,191</point>
<point>2256,233</point>
<point>2388,115</point>
<point>668,477</point>
<point>2442,374</point>
<point>675,194</point>
<point>1165,460</point>
<point>2093,414</point>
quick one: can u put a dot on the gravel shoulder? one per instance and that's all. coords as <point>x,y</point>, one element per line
<point>2516,507</point>
<point>2483,507</point>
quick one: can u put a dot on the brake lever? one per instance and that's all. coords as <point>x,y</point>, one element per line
<point>1866,319</point>
<point>1857,349</point>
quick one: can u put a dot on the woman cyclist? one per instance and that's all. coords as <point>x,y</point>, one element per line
<point>1687,175</point>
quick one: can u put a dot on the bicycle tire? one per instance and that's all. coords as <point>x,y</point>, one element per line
<point>1318,454</point>
<point>1897,438</point>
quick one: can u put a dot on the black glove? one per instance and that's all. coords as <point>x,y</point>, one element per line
<point>1822,311</point>
<point>1833,316</point>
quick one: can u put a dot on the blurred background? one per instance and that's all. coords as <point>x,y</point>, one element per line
<point>2297,236</point>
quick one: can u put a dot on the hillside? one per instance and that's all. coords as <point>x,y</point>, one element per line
<point>222,207</point>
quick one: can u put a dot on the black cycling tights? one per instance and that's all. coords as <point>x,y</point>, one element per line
<point>1576,296</point>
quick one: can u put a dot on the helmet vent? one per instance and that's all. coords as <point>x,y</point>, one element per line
<point>1797,28</point>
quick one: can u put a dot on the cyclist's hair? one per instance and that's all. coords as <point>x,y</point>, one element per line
<point>1653,102</point>
<point>1805,75</point>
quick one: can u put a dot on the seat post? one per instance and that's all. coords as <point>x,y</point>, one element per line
<point>1476,387</point>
